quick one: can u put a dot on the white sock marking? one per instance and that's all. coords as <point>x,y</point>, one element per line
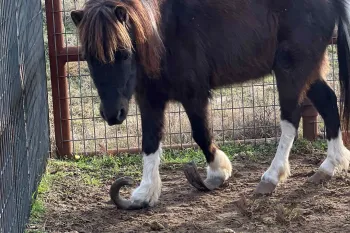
<point>150,187</point>
<point>279,169</point>
<point>220,167</point>
<point>338,156</point>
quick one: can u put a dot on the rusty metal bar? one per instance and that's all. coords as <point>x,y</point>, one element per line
<point>309,115</point>
<point>70,54</point>
<point>59,86</point>
<point>136,150</point>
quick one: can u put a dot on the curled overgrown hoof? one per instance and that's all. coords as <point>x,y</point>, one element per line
<point>265,188</point>
<point>319,177</point>
<point>194,178</point>
<point>120,202</point>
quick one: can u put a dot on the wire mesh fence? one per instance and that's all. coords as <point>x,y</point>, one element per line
<point>24,129</point>
<point>245,112</point>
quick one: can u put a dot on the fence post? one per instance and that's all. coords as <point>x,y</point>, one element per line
<point>309,115</point>
<point>60,95</point>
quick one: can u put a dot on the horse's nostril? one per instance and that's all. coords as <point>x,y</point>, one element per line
<point>121,114</point>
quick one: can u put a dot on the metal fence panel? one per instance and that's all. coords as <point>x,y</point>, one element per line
<point>35,86</point>
<point>24,130</point>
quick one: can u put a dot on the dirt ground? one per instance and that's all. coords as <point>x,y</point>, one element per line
<point>296,206</point>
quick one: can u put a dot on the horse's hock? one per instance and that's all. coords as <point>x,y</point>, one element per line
<point>247,112</point>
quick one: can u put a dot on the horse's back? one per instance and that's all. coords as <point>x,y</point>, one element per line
<point>231,41</point>
<point>228,41</point>
<point>303,20</point>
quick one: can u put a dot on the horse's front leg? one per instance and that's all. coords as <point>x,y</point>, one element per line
<point>219,166</point>
<point>147,194</point>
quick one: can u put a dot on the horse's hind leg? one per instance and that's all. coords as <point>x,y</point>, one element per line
<point>338,157</point>
<point>219,166</point>
<point>279,169</point>
<point>294,70</point>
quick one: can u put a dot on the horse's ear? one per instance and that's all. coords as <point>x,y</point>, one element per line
<point>122,14</point>
<point>77,16</point>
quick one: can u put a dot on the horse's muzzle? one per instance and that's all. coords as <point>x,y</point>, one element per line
<point>115,119</point>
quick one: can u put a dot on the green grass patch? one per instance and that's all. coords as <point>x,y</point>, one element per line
<point>37,211</point>
<point>34,231</point>
<point>303,146</point>
<point>107,167</point>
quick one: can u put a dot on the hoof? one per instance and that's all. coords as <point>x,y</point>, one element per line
<point>120,202</point>
<point>265,187</point>
<point>319,177</point>
<point>214,183</point>
<point>196,180</point>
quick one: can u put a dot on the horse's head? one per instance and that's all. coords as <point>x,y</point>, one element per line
<point>116,45</point>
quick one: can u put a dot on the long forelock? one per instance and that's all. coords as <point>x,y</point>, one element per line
<point>101,34</point>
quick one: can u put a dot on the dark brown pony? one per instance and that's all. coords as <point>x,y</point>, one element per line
<point>180,50</point>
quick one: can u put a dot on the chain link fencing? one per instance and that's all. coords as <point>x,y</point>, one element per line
<point>24,127</point>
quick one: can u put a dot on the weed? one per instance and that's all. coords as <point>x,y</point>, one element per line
<point>38,210</point>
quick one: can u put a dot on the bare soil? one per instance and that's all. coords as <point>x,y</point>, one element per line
<point>296,206</point>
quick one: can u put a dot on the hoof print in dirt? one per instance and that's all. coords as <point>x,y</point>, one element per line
<point>319,177</point>
<point>155,226</point>
<point>265,188</point>
<point>195,179</point>
<point>120,202</point>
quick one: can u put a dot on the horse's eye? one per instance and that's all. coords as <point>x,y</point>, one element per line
<point>125,56</point>
<point>122,55</point>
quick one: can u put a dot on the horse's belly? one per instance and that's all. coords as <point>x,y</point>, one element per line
<point>242,71</point>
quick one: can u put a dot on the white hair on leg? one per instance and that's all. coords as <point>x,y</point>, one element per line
<point>279,169</point>
<point>220,167</point>
<point>150,187</point>
<point>338,156</point>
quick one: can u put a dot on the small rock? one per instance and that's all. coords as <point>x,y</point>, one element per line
<point>242,154</point>
<point>156,226</point>
<point>225,230</point>
<point>268,221</point>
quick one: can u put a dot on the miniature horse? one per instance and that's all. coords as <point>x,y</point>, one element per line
<point>180,50</point>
